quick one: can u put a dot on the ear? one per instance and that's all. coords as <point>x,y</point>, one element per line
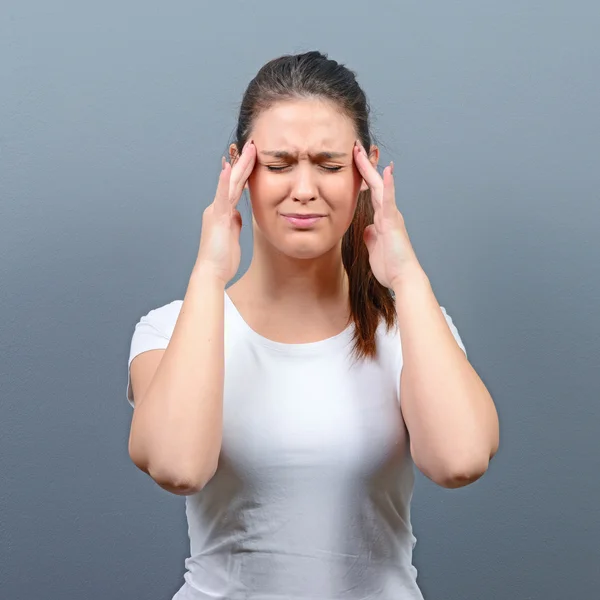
<point>233,154</point>
<point>374,160</point>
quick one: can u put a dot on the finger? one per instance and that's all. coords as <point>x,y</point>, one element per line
<point>251,153</point>
<point>389,190</point>
<point>241,171</point>
<point>222,205</point>
<point>369,174</point>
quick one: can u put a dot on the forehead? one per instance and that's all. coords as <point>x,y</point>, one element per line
<point>303,125</point>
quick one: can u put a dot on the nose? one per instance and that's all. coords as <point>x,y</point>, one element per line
<point>304,187</point>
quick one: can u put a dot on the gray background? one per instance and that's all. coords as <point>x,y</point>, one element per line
<point>113,120</point>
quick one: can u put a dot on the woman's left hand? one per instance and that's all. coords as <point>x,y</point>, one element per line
<point>391,254</point>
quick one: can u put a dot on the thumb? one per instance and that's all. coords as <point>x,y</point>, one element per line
<point>236,221</point>
<point>370,237</point>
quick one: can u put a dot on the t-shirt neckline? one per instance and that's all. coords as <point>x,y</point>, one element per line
<point>338,341</point>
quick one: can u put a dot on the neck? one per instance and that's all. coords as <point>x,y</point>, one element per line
<point>275,277</point>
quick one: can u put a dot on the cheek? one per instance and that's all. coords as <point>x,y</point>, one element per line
<point>341,193</point>
<point>265,190</point>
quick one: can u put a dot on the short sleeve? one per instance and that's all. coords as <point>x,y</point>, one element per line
<point>152,332</point>
<point>454,330</point>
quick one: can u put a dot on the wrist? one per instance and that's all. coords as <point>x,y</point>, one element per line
<point>411,278</point>
<point>412,295</point>
<point>208,274</point>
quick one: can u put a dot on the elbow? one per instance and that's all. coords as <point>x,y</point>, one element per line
<point>460,467</point>
<point>461,476</point>
<point>179,481</point>
<point>456,474</point>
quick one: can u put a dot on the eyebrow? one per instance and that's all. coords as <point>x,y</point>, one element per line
<point>288,155</point>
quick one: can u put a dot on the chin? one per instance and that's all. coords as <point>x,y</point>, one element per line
<point>303,249</point>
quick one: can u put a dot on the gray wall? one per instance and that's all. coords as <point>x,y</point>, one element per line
<point>113,120</point>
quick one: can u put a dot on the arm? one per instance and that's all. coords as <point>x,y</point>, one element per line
<point>177,424</point>
<point>449,413</point>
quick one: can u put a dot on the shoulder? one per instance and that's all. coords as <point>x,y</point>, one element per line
<point>391,340</point>
<point>162,319</point>
<point>453,329</point>
<point>154,329</point>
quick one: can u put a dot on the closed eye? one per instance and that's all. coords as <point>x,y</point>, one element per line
<point>330,169</point>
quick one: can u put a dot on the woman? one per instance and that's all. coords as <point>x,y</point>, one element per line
<point>290,406</point>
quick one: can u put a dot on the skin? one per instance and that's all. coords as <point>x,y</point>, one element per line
<point>296,291</point>
<point>298,271</point>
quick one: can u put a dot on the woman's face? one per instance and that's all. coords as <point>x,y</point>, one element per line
<point>305,185</point>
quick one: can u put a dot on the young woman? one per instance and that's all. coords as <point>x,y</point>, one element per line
<point>290,406</point>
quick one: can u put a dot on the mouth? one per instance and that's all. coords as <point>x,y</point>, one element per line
<point>302,221</point>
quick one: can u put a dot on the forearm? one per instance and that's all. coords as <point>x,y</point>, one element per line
<point>177,426</point>
<point>449,413</point>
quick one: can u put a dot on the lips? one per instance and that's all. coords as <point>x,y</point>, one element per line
<point>302,221</point>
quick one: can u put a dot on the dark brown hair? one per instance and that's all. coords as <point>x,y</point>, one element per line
<point>314,75</point>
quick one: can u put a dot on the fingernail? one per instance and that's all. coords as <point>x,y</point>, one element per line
<point>392,167</point>
<point>223,161</point>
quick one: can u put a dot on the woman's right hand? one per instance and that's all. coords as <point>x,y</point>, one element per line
<point>220,250</point>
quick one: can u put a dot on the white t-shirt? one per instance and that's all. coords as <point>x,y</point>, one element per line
<point>311,497</point>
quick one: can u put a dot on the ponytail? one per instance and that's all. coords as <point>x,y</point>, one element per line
<point>313,75</point>
<point>369,300</point>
